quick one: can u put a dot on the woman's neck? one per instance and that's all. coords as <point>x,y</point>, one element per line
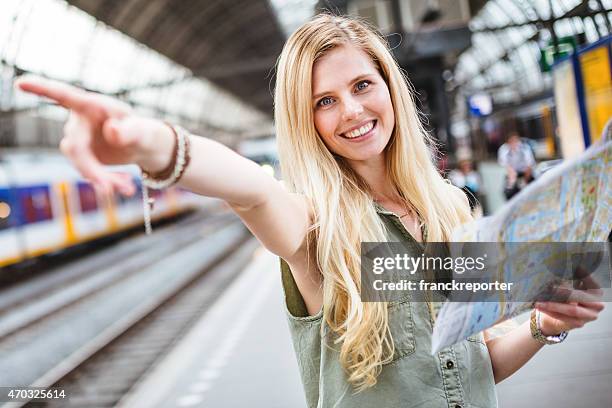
<point>374,173</point>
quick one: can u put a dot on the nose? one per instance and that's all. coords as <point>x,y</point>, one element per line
<point>352,109</point>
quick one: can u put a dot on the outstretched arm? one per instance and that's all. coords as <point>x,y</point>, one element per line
<point>102,130</point>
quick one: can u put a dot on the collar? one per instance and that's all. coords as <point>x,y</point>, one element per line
<point>382,210</point>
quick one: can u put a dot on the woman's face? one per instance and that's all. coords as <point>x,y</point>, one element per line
<point>352,107</point>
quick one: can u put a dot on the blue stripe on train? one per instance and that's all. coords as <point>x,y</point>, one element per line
<point>28,204</point>
<point>31,204</point>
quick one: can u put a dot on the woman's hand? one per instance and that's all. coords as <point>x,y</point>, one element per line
<point>102,130</point>
<point>582,306</point>
<point>573,308</point>
<point>557,317</point>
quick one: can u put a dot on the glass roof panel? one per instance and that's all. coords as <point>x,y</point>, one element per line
<point>569,4</point>
<point>495,14</point>
<point>564,28</point>
<point>511,10</point>
<point>542,8</point>
<point>601,20</point>
<point>527,7</point>
<point>293,13</point>
<point>558,9</point>
<point>590,30</point>
<point>53,39</point>
<point>518,44</point>
<point>10,10</point>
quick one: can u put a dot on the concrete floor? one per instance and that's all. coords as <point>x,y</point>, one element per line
<point>576,373</point>
<point>240,354</point>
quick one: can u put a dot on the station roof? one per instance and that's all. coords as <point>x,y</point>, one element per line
<point>507,39</point>
<point>219,55</point>
<point>222,41</point>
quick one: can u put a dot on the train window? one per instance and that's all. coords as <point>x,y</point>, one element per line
<point>36,203</point>
<point>87,197</point>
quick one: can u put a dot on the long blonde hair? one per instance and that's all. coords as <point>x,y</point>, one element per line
<point>340,197</point>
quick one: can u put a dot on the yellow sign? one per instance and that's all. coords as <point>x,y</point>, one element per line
<point>597,80</point>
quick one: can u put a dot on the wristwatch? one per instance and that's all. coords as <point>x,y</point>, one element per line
<point>537,334</point>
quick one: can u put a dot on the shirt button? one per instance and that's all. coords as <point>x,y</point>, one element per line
<point>449,365</point>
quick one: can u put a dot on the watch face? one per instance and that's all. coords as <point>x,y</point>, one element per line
<point>555,339</point>
<point>559,338</point>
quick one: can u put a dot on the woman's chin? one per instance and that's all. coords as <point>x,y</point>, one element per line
<point>364,155</point>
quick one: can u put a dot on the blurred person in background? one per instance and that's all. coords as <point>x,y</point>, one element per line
<point>357,167</point>
<point>517,158</point>
<point>468,180</point>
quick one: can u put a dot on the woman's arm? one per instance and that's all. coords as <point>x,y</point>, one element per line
<point>276,217</point>
<point>102,130</point>
<point>510,352</point>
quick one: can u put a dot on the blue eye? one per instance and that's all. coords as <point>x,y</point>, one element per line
<point>362,85</point>
<point>325,101</point>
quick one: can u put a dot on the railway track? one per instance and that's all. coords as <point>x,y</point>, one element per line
<point>101,370</point>
<point>20,309</point>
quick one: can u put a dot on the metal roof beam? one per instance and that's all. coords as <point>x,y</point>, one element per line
<point>547,21</point>
<point>505,56</point>
<point>581,10</point>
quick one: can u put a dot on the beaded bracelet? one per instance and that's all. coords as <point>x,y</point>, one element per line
<point>168,176</point>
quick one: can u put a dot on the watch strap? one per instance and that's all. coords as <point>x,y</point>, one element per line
<point>537,334</point>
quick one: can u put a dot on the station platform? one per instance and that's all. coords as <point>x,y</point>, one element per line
<point>240,355</point>
<point>576,373</point>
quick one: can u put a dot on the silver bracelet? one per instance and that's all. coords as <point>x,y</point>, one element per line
<point>181,161</point>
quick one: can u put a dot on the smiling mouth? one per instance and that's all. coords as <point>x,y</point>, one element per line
<point>360,132</point>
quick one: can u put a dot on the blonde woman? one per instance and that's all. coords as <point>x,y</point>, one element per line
<point>356,167</point>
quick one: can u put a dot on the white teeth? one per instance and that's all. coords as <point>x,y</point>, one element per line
<point>361,131</point>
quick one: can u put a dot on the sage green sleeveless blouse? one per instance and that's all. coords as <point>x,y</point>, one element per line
<point>458,376</point>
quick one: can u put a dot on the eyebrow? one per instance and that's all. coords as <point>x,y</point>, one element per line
<point>356,79</point>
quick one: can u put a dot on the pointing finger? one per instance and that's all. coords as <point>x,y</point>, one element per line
<point>66,95</point>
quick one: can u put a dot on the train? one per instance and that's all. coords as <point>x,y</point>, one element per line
<point>46,206</point>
